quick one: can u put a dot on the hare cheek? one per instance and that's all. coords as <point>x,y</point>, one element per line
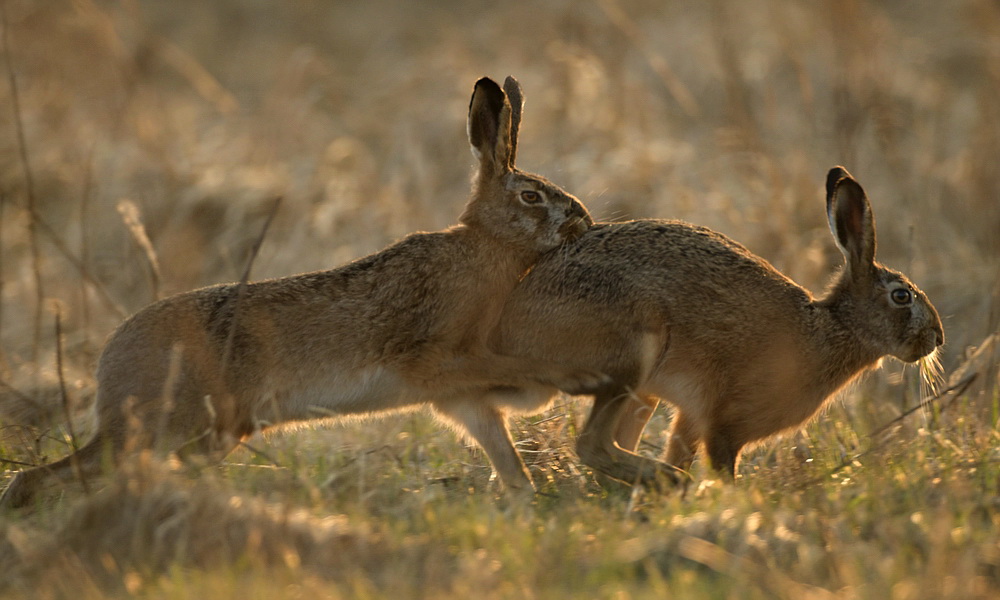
<point>564,229</point>
<point>914,345</point>
<point>547,233</point>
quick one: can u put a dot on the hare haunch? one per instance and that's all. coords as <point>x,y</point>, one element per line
<point>674,311</point>
<point>406,326</point>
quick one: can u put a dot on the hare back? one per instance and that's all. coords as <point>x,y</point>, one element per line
<point>673,259</point>
<point>680,283</point>
<point>383,308</point>
<point>343,340</point>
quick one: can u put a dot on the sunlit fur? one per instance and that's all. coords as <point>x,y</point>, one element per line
<point>682,313</point>
<point>198,372</point>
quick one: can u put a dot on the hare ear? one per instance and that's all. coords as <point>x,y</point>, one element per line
<point>489,127</point>
<point>851,220</point>
<point>516,98</point>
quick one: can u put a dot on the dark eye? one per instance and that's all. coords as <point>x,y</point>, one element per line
<point>901,296</point>
<point>530,197</point>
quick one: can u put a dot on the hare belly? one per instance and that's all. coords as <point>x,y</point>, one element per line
<point>338,393</point>
<point>527,400</point>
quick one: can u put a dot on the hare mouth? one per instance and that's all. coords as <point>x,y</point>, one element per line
<point>924,345</point>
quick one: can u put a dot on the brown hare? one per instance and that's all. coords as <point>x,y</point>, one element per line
<point>679,312</point>
<point>406,326</point>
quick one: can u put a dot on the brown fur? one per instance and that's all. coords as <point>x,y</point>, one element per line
<point>200,371</point>
<point>683,313</point>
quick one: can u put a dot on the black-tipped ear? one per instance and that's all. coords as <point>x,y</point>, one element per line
<point>836,174</point>
<point>489,126</point>
<point>851,220</point>
<point>516,98</point>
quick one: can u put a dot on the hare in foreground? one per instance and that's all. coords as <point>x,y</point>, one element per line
<point>674,311</point>
<point>405,326</point>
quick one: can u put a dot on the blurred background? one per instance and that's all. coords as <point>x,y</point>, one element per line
<point>150,139</point>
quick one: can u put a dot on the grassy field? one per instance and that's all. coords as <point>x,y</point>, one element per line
<point>147,141</point>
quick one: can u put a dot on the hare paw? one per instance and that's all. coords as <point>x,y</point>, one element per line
<point>582,382</point>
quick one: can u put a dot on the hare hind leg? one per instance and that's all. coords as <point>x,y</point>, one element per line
<point>84,463</point>
<point>598,449</point>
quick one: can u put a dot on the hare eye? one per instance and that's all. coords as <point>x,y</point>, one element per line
<point>531,197</point>
<point>901,296</point>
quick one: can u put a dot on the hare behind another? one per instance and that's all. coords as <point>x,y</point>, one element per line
<point>674,311</point>
<point>406,326</point>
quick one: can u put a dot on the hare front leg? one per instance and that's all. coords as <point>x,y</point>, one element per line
<point>634,419</point>
<point>683,441</point>
<point>723,448</point>
<point>487,426</point>
<point>599,450</point>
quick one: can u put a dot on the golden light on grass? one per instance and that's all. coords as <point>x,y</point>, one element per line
<point>725,114</point>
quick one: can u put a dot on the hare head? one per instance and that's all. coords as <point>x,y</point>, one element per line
<point>891,315</point>
<point>517,207</point>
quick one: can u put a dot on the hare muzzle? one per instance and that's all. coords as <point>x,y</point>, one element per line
<point>574,228</point>
<point>925,343</point>
<point>578,221</point>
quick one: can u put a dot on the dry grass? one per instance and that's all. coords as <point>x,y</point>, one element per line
<point>157,134</point>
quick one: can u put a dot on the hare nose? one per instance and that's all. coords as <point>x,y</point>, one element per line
<point>939,334</point>
<point>577,210</point>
